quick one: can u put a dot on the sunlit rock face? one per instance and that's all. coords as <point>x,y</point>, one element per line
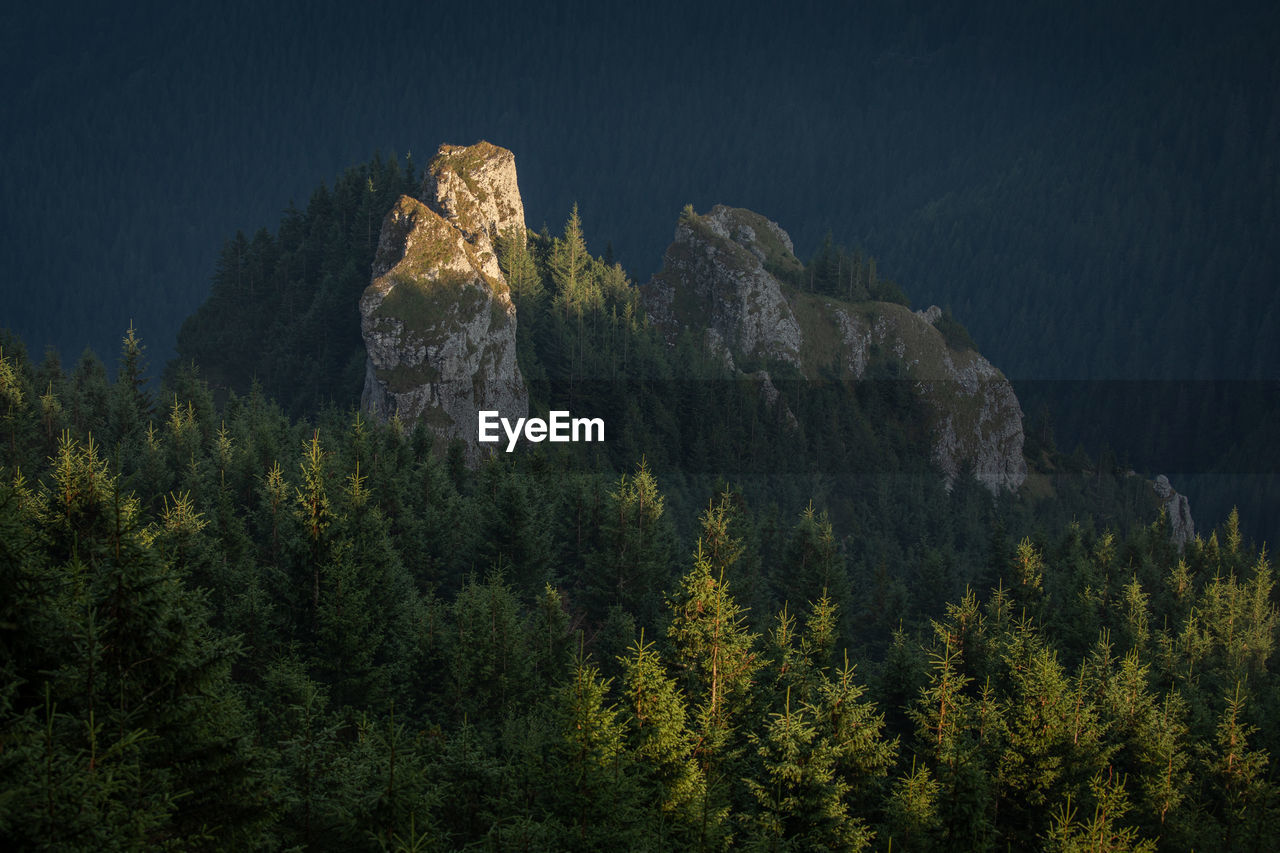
<point>722,279</point>
<point>1182,529</point>
<point>438,322</point>
<point>475,188</point>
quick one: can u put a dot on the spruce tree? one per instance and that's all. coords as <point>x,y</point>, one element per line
<point>596,796</point>
<point>717,660</point>
<point>660,741</point>
<point>569,263</point>
<point>629,568</point>
<point>127,675</point>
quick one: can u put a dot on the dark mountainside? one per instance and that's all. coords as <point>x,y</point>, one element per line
<point>1076,181</point>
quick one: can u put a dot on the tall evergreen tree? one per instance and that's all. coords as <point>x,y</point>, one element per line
<point>629,568</point>
<point>717,659</point>
<point>660,741</point>
<point>569,263</point>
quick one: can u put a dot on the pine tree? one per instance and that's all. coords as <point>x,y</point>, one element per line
<point>131,405</point>
<point>90,394</point>
<point>488,660</point>
<point>911,813</point>
<point>319,793</point>
<point>716,658</point>
<point>631,565</point>
<point>960,734</point>
<point>313,513</point>
<point>1240,797</point>
<point>814,567</point>
<point>1027,582</point>
<point>512,528</point>
<point>800,794</point>
<point>1052,737</point>
<point>521,271</point>
<point>403,808</point>
<point>569,263</point>
<point>659,740</point>
<point>126,676</point>
<point>1104,830</point>
<point>12,400</point>
<point>597,797</point>
<point>854,728</point>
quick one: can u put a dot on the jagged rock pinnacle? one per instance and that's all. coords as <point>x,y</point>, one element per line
<point>438,322</point>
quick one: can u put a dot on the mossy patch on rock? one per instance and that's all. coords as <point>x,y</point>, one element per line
<point>823,345</point>
<point>404,377</point>
<point>424,304</point>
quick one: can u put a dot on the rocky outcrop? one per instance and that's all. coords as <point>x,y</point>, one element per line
<point>722,275</point>
<point>474,187</point>
<point>977,420</point>
<point>716,270</point>
<point>438,322</point>
<point>1182,529</point>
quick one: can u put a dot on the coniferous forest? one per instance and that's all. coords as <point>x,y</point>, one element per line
<point>237,613</point>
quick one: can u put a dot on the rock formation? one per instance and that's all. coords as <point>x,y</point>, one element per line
<point>1182,529</point>
<point>721,274</point>
<point>438,322</point>
<point>715,270</point>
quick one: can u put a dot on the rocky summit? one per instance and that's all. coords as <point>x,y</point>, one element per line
<point>723,274</point>
<point>438,322</point>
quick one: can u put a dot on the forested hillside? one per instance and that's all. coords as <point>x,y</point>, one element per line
<point>223,627</point>
<point>228,626</point>
<point>282,306</point>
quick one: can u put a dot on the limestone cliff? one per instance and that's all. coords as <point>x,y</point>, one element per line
<point>715,271</point>
<point>721,275</point>
<point>438,322</point>
<point>1182,529</point>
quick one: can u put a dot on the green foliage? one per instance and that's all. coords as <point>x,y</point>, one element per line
<point>800,794</point>
<point>282,308</point>
<point>631,566</point>
<point>954,332</point>
<point>1103,830</point>
<point>230,628</point>
<point>659,739</point>
<point>568,264</point>
<point>597,793</point>
<point>124,726</point>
